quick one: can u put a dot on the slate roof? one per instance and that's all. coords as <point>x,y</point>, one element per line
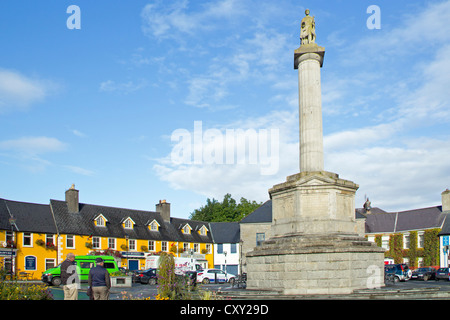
<point>194,236</point>
<point>226,232</point>
<point>260,215</point>
<point>82,223</point>
<point>446,226</point>
<point>30,217</point>
<point>425,218</point>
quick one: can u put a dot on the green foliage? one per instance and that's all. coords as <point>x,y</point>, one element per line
<point>429,252</point>
<point>13,290</point>
<point>166,275</point>
<point>431,247</point>
<point>225,211</point>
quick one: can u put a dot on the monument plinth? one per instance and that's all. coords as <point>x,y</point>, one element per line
<point>314,247</point>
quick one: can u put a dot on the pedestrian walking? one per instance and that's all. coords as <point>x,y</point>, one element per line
<point>69,278</point>
<point>99,281</point>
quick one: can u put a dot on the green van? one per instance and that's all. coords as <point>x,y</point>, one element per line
<point>84,264</point>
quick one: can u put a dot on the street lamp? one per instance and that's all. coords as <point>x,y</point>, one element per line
<point>225,254</point>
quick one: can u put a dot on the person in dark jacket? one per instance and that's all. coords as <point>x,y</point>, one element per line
<point>99,281</point>
<point>69,278</point>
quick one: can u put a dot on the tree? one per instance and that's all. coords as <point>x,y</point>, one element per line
<point>225,211</point>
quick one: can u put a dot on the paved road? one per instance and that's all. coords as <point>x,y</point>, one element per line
<point>136,291</point>
<point>145,291</point>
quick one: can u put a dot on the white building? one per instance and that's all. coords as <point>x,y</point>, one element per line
<point>227,253</point>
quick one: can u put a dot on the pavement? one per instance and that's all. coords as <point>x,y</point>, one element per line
<point>137,291</point>
<point>409,290</point>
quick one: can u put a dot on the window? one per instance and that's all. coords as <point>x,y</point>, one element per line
<point>233,248</point>
<point>197,247</point>
<point>9,239</point>
<point>96,243</point>
<point>203,231</point>
<point>49,240</point>
<point>49,263</point>
<point>151,245</point>
<point>70,242</point>
<point>128,224</point>
<point>132,244</point>
<point>112,243</point>
<point>421,239</point>
<point>208,248</point>
<point>86,264</point>
<point>385,242</point>
<point>27,239</point>
<point>420,262</point>
<point>186,229</point>
<point>406,241</point>
<point>100,222</point>
<point>220,248</point>
<point>154,226</point>
<point>260,237</point>
<point>164,246</point>
<point>185,246</point>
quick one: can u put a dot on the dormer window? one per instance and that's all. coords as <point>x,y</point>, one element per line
<point>153,226</point>
<point>203,231</point>
<point>100,221</point>
<point>128,223</point>
<point>187,229</point>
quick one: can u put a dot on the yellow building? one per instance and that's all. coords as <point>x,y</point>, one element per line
<point>40,236</point>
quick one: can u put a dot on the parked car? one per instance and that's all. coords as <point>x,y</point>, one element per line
<point>401,272</point>
<point>147,276</point>
<point>211,275</point>
<point>83,266</point>
<point>425,274</point>
<point>442,273</point>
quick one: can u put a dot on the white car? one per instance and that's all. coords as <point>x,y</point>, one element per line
<point>210,275</point>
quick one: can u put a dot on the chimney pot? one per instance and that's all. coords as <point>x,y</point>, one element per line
<point>446,200</point>
<point>163,208</point>
<point>72,199</point>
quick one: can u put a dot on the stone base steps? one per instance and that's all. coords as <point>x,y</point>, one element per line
<point>367,294</point>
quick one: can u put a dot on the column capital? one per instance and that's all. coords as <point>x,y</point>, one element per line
<point>309,51</point>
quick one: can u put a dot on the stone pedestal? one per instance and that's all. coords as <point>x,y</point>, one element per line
<point>314,247</point>
<point>313,203</point>
<point>315,264</point>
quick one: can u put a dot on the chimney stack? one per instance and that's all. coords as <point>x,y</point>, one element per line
<point>446,201</point>
<point>163,208</point>
<point>72,199</point>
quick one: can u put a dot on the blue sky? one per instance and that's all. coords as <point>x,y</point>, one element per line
<point>99,106</point>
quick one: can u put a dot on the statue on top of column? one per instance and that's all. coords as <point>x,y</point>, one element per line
<point>308,29</point>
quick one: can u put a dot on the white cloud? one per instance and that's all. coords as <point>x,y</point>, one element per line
<point>163,20</point>
<point>78,133</point>
<point>243,178</point>
<point>124,87</point>
<point>33,145</point>
<point>18,91</point>
<point>79,170</point>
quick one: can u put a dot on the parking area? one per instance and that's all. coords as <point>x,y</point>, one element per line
<point>416,284</point>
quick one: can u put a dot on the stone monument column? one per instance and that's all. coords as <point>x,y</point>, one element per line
<point>308,59</point>
<point>314,246</point>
